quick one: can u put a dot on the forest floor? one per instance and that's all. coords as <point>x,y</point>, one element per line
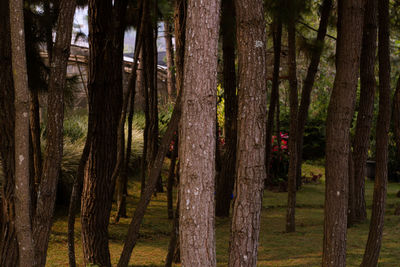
<point>276,248</point>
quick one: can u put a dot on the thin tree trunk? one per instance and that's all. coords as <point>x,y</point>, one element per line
<point>293,99</point>
<point>8,239</point>
<point>226,178</point>
<point>105,103</point>
<point>340,114</point>
<point>48,187</point>
<point>174,239</point>
<point>171,89</point>
<point>252,102</point>
<point>309,83</point>
<point>374,242</point>
<point>34,120</point>
<point>274,100</point>
<point>22,197</point>
<point>197,131</point>
<point>396,118</point>
<point>365,112</point>
<point>171,175</point>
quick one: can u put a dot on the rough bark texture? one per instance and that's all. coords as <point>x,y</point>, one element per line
<point>105,102</point>
<point>309,83</point>
<point>170,61</point>
<point>226,178</point>
<point>340,113</point>
<point>8,237</point>
<point>293,99</point>
<point>197,132</point>
<point>21,132</point>
<point>374,242</point>
<point>250,164</point>
<point>365,112</point>
<point>274,100</point>
<point>48,186</point>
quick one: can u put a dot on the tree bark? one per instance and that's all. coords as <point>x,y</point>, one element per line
<point>365,112</point>
<point>34,120</point>
<point>174,239</point>
<point>105,103</point>
<point>197,132</point>
<point>293,99</point>
<point>274,100</point>
<point>8,239</point>
<point>54,149</point>
<point>309,83</point>
<point>171,175</point>
<point>374,242</point>
<point>252,102</point>
<point>340,114</point>
<point>21,132</point>
<point>226,178</point>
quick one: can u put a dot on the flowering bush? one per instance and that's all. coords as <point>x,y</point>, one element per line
<point>279,164</point>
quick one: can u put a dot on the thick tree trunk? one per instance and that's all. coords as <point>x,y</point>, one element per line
<point>22,197</point>
<point>252,102</point>
<point>340,114</point>
<point>197,142</point>
<point>170,61</point>
<point>8,238</point>
<point>54,149</point>
<point>293,99</point>
<point>309,83</point>
<point>226,178</point>
<point>274,100</point>
<point>374,242</point>
<point>365,112</point>
<point>105,103</point>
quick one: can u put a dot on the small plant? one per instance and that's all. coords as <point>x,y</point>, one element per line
<point>279,165</point>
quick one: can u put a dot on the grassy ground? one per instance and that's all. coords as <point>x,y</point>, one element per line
<point>303,248</point>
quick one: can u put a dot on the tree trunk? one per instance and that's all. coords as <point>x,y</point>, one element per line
<point>374,242</point>
<point>21,132</point>
<point>226,178</point>
<point>171,175</point>
<point>365,111</point>
<point>197,131</point>
<point>396,118</point>
<point>34,119</point>
<point>170,60</point>
<point>174,240</point>
<point>309,83</point>
<point>105,102</point>
<point>8,238</point>
<point>293,99</point>
<point>252,102</point>
<point>54,149</point>
<point>274,100</point>
<point>340,114</point>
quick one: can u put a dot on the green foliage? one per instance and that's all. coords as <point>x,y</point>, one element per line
<point>220,107</point>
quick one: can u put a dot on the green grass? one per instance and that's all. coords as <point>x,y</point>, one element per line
<point>276,248</point>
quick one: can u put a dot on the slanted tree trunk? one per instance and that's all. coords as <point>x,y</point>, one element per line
<point>22,197</point>
<point>309,83</point>
<point>293,99</point>
<point>340,114</point>
<point>197,131</point>
<point>252,102</point>
<point>8,237</point>
<point>226,178</point>
<point>365,112</point>
<point>105,103</point>
<point>374,242</point>
<point>274,100</point>
<point>42,220</point>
